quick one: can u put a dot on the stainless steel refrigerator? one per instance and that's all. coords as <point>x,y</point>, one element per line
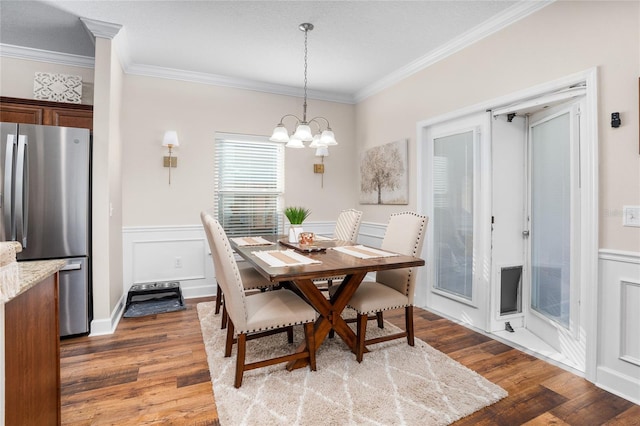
<point>45,199</point>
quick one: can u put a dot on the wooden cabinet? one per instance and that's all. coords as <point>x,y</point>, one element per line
<point>29,111</point>
<point>32,356</point>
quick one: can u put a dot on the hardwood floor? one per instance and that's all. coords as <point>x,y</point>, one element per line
<point>153,370</point>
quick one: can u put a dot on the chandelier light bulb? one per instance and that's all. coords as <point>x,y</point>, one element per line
<point>280,134</point>
<point>294,142</point>
<point>303,132</point>
<point>328,138</point>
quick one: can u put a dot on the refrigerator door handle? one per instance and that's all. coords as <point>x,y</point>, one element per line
<point>71,267</point>
<point>7,194</point>
<point>22,191</point>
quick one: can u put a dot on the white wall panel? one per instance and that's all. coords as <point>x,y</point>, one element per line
<point>630,322</point>
<point>169,253</point>
<point>176,260</point>
<point>618,363</point>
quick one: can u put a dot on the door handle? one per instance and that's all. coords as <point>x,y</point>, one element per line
<point>22,191</point>
<point>71,267</point>
<point>525,234</point>
<point>7,194</point>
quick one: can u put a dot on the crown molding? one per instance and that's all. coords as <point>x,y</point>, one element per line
<point>31,54</point>
<point>100,28</point>
<point>499,22</point>
<point>238,83</point>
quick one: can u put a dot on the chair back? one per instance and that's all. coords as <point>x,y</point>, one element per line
<point>348,225</point>
<point>405,235</point>
<point>226,270</point>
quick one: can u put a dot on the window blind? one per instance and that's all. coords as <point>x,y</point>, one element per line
<point>249,185</point>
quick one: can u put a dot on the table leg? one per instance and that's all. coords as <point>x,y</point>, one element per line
<point>330,313</point>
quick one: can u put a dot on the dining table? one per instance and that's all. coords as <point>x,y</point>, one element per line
<point>329,261</point>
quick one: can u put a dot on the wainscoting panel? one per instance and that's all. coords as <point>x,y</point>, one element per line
<point>618,364</point>
<point>175,260</point>
<point>630,322</point>
<point>169,253</point>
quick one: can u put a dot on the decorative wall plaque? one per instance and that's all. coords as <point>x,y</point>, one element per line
<point>57,87</point>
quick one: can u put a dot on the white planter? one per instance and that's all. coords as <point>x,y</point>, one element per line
<point>294,233</point>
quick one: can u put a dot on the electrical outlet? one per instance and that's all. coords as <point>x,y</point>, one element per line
<point>178,263</point>
<point>631,216</point>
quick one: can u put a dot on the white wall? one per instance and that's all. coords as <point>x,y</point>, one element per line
<point>561,39</point>
<point>16,77</point>
<point>197,111</point>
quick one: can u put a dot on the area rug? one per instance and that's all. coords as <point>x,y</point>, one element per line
<point>396,384</point>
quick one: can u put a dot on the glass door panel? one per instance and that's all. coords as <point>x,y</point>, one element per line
<point>551,219</point>
<point>453,181</point>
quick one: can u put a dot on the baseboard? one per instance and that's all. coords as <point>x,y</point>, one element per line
<point>108,326</point>
<point>619,384</point>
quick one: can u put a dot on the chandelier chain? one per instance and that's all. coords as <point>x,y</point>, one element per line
<point>304,106</point>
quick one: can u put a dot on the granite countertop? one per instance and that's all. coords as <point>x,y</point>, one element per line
<point>18,277</point>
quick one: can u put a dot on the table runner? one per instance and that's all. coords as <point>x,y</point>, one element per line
<point>323,238</point>
<point>251,241</point>
<point>280,258</point>
<point>364,252</point>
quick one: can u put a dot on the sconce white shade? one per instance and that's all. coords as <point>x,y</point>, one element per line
<point>170,138</point>
<point>280,134</point>
<point>303,132</point>
<point>328,138</point>
<point>294,142</point>
<point>322,151</point>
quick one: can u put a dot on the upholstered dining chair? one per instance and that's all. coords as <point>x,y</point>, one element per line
<point>394,288</point>
<point>347,228</point>
<point>348,225</point>
<point>259,314</point>
<point>251,279</point>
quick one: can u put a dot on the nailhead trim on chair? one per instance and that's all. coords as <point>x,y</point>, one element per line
<point>423,221</point>
<point>255,330</point>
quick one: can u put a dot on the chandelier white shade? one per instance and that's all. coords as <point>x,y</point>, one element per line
<point>303,130</point>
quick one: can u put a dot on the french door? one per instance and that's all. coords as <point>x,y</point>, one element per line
<point>459,241</point>
<point>553,218</point>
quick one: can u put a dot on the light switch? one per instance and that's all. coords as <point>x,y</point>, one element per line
<point>631,216</point>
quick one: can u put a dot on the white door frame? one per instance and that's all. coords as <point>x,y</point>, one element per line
<point>589,180</point>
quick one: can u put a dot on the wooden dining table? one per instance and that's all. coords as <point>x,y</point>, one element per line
<point>332,263</point>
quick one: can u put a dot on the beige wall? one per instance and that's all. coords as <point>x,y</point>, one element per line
<point>559,40</point>
<point>107,182</point>
<point>16,77</point>
<point>197,111</point>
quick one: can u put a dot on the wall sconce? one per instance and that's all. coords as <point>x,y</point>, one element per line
<point>170,140</point>
<point>322,151</point>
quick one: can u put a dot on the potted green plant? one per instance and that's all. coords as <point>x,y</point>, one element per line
<point>296,215</point>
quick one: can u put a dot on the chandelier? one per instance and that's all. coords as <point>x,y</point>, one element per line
<point>323,137</point>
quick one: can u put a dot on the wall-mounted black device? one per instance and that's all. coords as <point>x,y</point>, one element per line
<point>615,119</point>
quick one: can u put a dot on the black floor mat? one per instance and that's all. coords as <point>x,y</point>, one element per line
<point>154,306</point>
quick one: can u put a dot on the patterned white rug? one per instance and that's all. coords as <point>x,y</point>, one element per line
<point>394,385</point>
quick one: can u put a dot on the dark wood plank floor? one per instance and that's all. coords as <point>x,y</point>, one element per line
<point>153,370</point>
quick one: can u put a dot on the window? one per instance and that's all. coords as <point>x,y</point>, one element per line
<point>249,184</point>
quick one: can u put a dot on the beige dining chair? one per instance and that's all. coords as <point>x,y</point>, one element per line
<point>251,279</point>
<point>348,225</point>
<point>347,228</point>
<point>259,314</point>
<point>394,288</point>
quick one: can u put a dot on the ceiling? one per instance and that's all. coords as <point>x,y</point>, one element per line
<point>355,45</point>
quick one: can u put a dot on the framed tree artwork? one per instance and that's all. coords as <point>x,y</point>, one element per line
<point>384,175</point>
